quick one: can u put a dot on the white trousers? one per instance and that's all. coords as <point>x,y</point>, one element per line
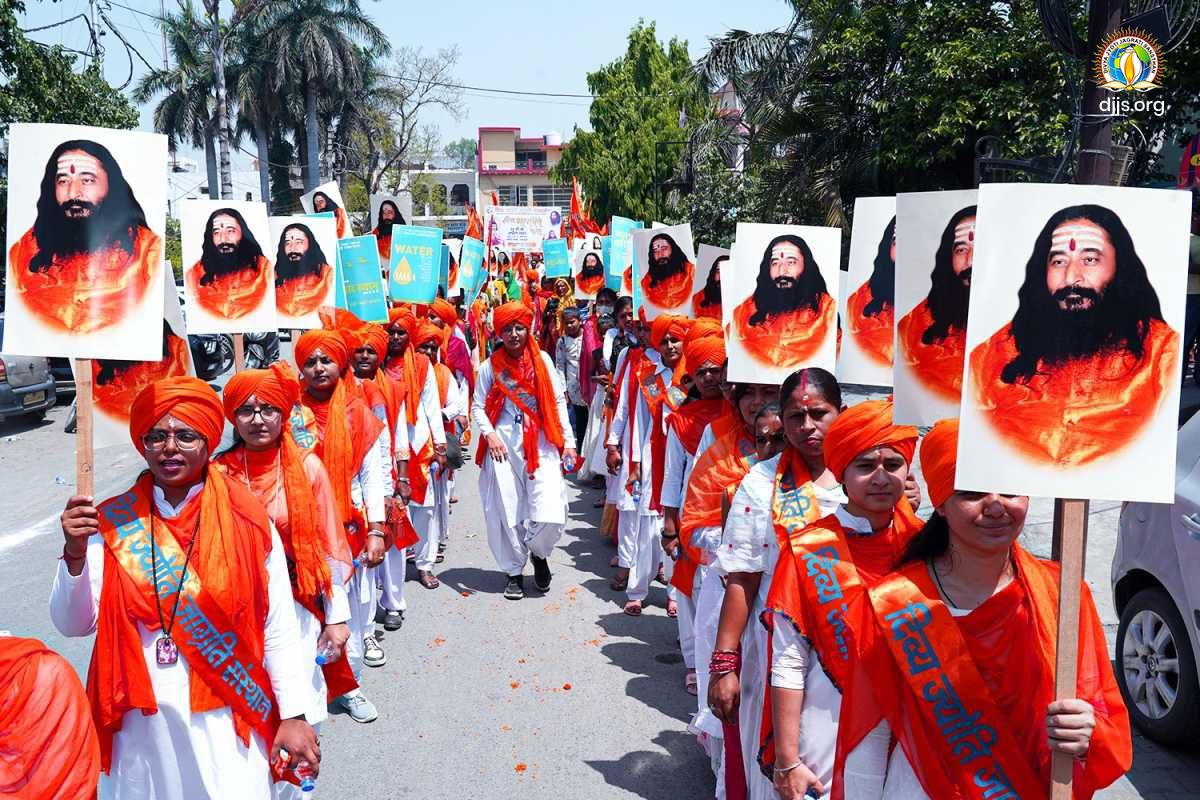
<point>427,521</point>
<point>392,573</point>
<point>443,487</point>
<point>645,554</point>
<point>627,524</point>
<point>687,622</point>
<point>361,590</point>
<point>512,545</point>
<point>708,615</point>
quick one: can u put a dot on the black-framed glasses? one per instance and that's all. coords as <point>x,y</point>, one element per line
<point>184,439</point>
<point>268,413</point>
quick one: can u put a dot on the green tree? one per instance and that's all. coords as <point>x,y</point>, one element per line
<point>185,112</point>
<point>462,152</point>
<point>39,84</point>
<point>637,108</point>
<point>173,249</point>
<point>313,47</point>
<point>426,192</point>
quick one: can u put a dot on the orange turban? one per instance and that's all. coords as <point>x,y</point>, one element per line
<point>864,427</point>
<point>428,332</point>
<point>375,337</point>
<point>666,325</point>
<point>939,456</point>
<point>331,343</point>
<point>710,349</point>
<point>706,326</point>
<point>339,319</point>
<point>189,400</point>
<point>405,318</point>
<point>277,386</point>
<point>445,311</point>
<point>507,314</point>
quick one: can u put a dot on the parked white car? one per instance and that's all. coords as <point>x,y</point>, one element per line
<point>1156,591</point>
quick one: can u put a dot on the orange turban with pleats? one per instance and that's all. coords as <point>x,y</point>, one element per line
<point>507,314</point>
<point>331,343</point>
<point>428,332</point>
<point>375,337</point>
<point>939,457</point>
<point>445,311</point>
<point>277,386</point>
<point>706,326</point>
<point>665,325</point>
<point>405,318</point>
<point>864,427</point>
<point>189,400</point>
<point>707,349</point>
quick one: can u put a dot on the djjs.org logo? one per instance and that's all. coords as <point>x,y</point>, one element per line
<point>1128,64</point>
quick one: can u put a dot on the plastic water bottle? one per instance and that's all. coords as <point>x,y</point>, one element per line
<point>325,654</point>
<point>635,491</point>
<point>308,781</point>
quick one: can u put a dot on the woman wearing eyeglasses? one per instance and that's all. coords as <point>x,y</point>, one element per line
<point>198,666</point>
<point>294,487</point>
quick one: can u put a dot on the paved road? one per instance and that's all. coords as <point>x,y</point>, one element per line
<point>555,696</point>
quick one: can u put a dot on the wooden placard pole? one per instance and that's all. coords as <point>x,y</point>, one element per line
<point>239,352</point>
<point>85,484</point>
<point>1070,535</point>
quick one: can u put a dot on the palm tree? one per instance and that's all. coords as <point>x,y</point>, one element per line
<point>259,107</point>
<point>313,45</point>
<point>184,114</point>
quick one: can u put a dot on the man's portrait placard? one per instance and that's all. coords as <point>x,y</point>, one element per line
<point>115,383</point>
<point>665,264</point>
<point>388,210</point>
<point>869,304</point>
<point>1072,382</point>
<point>305,256</point>
<point>589,266</point>
<point>327,199</point>
<point>86,221</point>
<point>935,251</point>
<point>780,300</point>
<point>706,302</point>
<point>228,279</point>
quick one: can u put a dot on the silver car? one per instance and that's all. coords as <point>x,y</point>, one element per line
<point>1156,591</point>
<point>26,384</point>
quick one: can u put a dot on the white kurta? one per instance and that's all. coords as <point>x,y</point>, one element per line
<point>749,544</point>
<point>795,666</point>
<point>175,754</point>
<point>525,514</point>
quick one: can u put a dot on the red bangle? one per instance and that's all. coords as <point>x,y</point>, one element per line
<point>724,661</point>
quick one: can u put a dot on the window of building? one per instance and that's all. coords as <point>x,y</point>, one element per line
<point>535,159</point>
<point>513,195</point>
<point>551,196</point>
<point>460,194</point>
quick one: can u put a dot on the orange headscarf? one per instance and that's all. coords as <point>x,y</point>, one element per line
<point>279,387</point>
<point>507,314</point>
<point>375,337</point>
<point>665,325</point>
<point>445,311</point>
<point>46,731</point>
<point>705,350</point>
<point>939,454</point>
<point>331,343</point>
<point>863,427</point>
<point>189,400</point>
<point>705,327</point>
<point>427,332</point>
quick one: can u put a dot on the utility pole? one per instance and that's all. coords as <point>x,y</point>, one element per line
<point>1095,154</point>
<point>97,48</point>
<point>162,14</point>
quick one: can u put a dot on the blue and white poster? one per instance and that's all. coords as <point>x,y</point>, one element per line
<point>470,265</point>
<point>556,259</point>
<point>361,283</point>
<point>621,255</point>
<point>415,264</point>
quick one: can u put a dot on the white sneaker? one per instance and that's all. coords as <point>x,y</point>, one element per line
<point>373,655</point>
<point>358,707</point>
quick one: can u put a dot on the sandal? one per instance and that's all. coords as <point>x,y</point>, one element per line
<point>634,608</point>
<point>619,582</point>
<point>428,580</point>
<point>689,682</point>
<point>672,609</point>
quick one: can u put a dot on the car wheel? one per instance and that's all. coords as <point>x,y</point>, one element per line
<point>1156,669</point>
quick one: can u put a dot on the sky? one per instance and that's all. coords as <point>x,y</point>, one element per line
<point>510,44</point>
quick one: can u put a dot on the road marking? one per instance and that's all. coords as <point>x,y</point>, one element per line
<point>40,528</point>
